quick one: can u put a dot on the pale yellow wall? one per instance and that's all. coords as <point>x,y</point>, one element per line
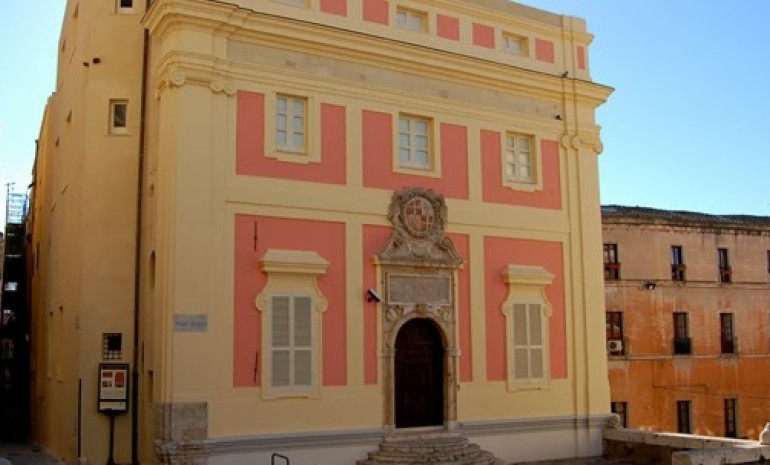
<point>84,206</point>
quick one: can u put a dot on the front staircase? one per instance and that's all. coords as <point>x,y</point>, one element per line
<point>434,448</point>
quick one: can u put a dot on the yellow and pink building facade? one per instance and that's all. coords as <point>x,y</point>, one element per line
<point>362,220</point>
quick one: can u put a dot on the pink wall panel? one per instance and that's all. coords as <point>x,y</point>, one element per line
<point>500,252</point>
<point>250,132</point>
<point>374,238</point>
<point>376,11</point>
<point>483,36</point>
<point>378,153</point>
<point>335,7</point>
<point>326,238</point>
<point>493,189</point>
<point>581,57</point>
<point>448,27</point>
<point>462,244</point>
<point>250,144</point>
<point>544,50</point>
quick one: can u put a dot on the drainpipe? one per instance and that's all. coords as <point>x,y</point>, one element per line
<point>138,249</point>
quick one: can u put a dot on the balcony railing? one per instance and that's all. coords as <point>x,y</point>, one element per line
<point>725,274</point>
<point>678,272</point>
<point>682,345</point>
<point>612,270</point>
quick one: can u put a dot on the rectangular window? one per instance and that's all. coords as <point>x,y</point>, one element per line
<point>414,142</point>
<point>528,342</point>
<point>519,164</point>
<point>731,423</point>
<point>725,270</point>
<point>677,263</point>
<point>291,344</point>
<point>614,331</point>
<point>768,264</point>
<point>683,408</point>
<point>118,116</point>
<point>514,44</point>
<point>611,263</point>
<point>412,19</point>
<point>291,124</point>
<point>621,409</point>
<point>682,343</point>
<point>727,334</point>
<point>294,2</point>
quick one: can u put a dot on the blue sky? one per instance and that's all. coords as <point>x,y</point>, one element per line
<point>685,128</point>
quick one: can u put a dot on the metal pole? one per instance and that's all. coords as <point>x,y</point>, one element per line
<point>111,459</point>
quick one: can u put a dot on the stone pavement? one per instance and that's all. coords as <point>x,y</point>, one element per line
<point>26,453</point>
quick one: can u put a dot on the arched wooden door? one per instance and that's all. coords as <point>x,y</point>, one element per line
<point>419,373</point>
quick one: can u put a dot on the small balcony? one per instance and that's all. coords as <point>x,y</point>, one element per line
<point>682,346</point>
<point>729,345</point>
<point>678,272</point>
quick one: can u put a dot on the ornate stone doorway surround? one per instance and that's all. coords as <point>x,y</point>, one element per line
<point>418,267</point>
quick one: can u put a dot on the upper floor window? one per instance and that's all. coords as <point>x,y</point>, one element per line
<point>727,333</point>
<point>514,44</point>
<point>293,2</point>
<point>414,142</point>
<point>611,263</point>
<point>682,342</point>
<point>124,6</point>
<point>678,267</point>
<point>412,19</point>
<point>614,331</point>
<point>291,124</point>
<point>725,270</point>
<point>519,158</point>
<point>118,116</point>
<point>768,264</point>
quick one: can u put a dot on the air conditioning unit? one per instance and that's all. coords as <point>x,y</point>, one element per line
<point>615,346</point>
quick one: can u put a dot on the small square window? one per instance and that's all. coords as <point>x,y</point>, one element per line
<point>519,163</point>
<point>291,124</point>
<point>514,44</point>
<point>414,143</point>
<point>125,6</point>
<point>412,19</point>
<point>118,116</point>
<point>112,346</point>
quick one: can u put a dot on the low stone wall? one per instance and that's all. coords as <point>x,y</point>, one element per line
<point>648,448</point>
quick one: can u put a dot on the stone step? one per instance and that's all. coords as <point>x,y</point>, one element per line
<point>467,454</point>
<point>424,447</point>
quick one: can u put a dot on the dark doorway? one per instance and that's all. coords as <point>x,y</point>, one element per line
<point>419,389</point>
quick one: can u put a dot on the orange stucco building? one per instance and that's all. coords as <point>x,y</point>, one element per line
<point>330,222</point>
<point>688,318</point>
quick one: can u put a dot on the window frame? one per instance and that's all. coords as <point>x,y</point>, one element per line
<point>424,17</point>
<point>684,416</point>
<point>731,417</point>
<point>293,274</point>
<point>113,106</point>
<point>620,408</point>
<point>433,146</point>
<point>311,152</point>
<point>120,9</point>
<point>613,328</point>
<point>291,347</point>
<point>506,37</point>
<point>535,183</point>
<point>682,343</point>
<point>678,267</point>
<point>727,333</point>
<point>723,264</point>
<point>526,286</point>
<point>611,263</point>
